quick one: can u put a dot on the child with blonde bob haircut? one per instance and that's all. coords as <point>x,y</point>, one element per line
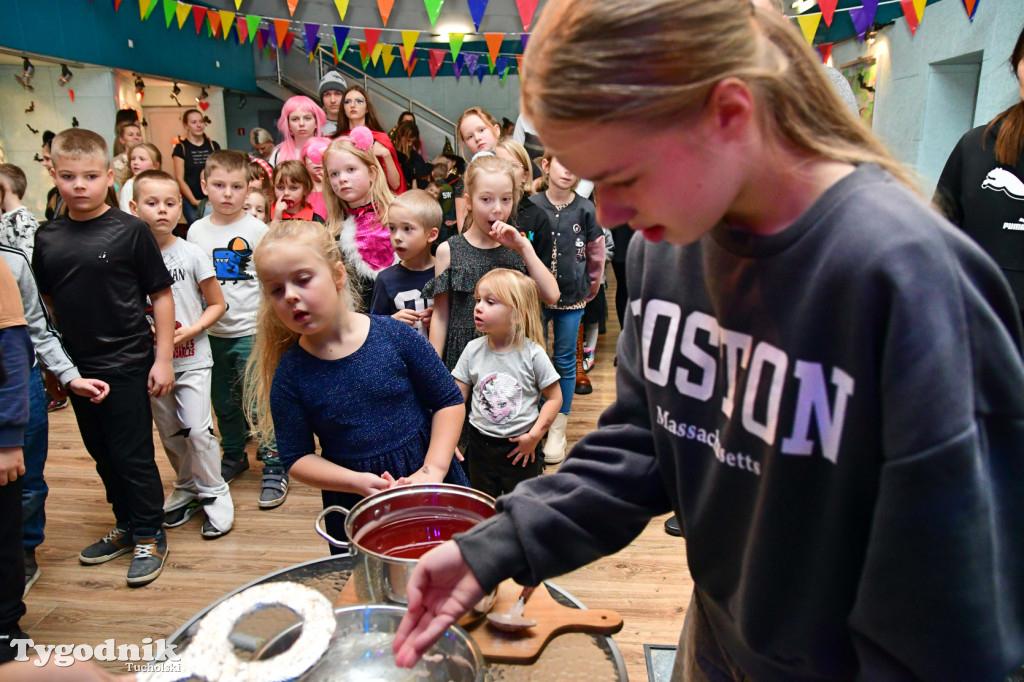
<point>818,374</point>
<point>507,370</point>
<point>370,388</point>
<point>356,203</point>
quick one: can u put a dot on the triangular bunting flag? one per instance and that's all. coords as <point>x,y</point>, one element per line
<point>409,42</point>
<point>809,26</point>
<point>523,38</point>
<point>411,67</point>
<point>501,64</point>
<point>149,11</point>
<point>828,10</point>
<point>455,43</point>
<point>405,56</point>
<point>863,17</point>
<point>504,74</point>
<point>971,6</point>
<point>169,8</point>
<point>340,39</point>
<point>372,36</point>
<point>226,19</point>
<point>242,29</point>
<point>261,38</point>
<point>919,6</point>
<point>825,50</point>
<point>292,4</point>
<point>342,6</point>
<point>387,56</point>
<point>490,64</point>
<point>364,54</point>
<point>214,19</point>
<point>312,33</point>
<point>385,9</point>
<point>253,23</point>
<point>433,9</point>
<point>457,66</point>
<point>280,29</point>
<point>115,3</point>
<point>376,52</point>
<point>480,72</point>
<point>143,9</point>
<point>494,43</point>
<point>476,10</point>
<point>334,53</point>
<point>526,10</point>
<point>182,11</point>
<point>911,15</point>
<point>238,4</point>
<point>519,64</point>
<point>435,60</point>
<point>472,59</point>
<point>198,14</point>
<point>288,40</point>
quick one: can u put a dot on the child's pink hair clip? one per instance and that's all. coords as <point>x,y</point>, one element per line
<point>361,137</point>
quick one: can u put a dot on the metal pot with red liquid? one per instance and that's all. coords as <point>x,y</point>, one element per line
<point>389,531</point>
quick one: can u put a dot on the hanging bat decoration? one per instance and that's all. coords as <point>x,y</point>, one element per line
<point>863,83</point>
<point>37,158</point>
<point>74,121</point>
<point>34,131</point>
<point>31,107</point>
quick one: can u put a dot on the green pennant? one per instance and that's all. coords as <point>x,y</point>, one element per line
<point>490,64</point>
<point>433,9</point>
<point>149,12</point>
<point>253,23</point>
<point>504,74</point>
<point>455,42</point>
<point>341,50</point>
<point>170,9</point>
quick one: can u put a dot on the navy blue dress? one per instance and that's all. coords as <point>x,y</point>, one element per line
<point>371,410</point>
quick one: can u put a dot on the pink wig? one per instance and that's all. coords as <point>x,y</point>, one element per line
<point>287,150</point>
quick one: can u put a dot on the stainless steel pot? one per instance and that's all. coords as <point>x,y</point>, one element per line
<point>390,530</point>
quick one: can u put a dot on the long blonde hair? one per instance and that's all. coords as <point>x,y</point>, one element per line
<point>588,48</point>
<point>488,163</point>
<point>519,293</point>
<point>380,193</point>
<point>273,338</point>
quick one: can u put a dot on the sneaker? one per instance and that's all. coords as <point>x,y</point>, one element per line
<point>672,526</point>
<point>7,649</point>
<point>275,487</point>
<point>179,516</point>
<point>55,405</point>
<point>210,532</point>
<point>588,359</point>
<point>148,561</point>
<point>31,570</point>
<point>113,545</point>
<point>230,469</point>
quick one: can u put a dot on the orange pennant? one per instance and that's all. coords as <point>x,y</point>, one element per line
<point>519,63</point>
<point>214,19</point>
<point>385,9</point>
<point>281,29</point>
<point>494,44</point>
<point>411,67</point>
<point>292,4</point>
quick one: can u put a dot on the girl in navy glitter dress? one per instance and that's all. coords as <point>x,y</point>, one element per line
<point>370,388</point>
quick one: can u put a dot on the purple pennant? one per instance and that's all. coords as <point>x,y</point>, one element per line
<point>480,72</point>
<point>864,16</point>
<point>477,9</point>
<point>457,66</point>
<point>312,37</point>
<point>269,39</point>
<point>471,61</point>
<point>524,37</point>
<point>501,64</point>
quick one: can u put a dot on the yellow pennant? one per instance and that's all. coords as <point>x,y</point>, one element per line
<point>143,6</point>
<point>182,13</point>
<point>809,26</point>
<point>342,6</point>
<point>226,19</point>
<point>387,56</point>
<point>919,8</point>
<point>409,40</point>
<point>375,55</point>
<point>238,4</point>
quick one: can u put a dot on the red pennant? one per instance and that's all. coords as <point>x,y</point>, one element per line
<point>364,53</point>
<point>117,4</point>
<point>911,14</point>
<point>334,53</point>
<point>214,18</point>
<point>288,40</point>
<point>435,60</point>
<point>281,28</point>
<point>243,31</point>
<point>825,50</point>
<point>259,40</point>
<point>526,10</point>
<point>198,15</point>
<point>372,36</point>
<point>828,10</point>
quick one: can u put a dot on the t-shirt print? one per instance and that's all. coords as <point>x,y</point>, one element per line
<point>500,397</point>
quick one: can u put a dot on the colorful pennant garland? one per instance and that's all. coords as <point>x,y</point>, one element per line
<point>809,26</point>
<point>526,11</point>
<point>863,17</point>
<point>253,23</point>
<point>372,36</point>
<point>971,6</point>
<point>341,38</point>
<point>435,60</point>
<point>342,6</point>
<point>387,57</point>
<point>455,43</point>
<point>214,19</point>
<point>433,9</point>
<point>385,9</point>
<point>828,10</point>
<point>227,18</point>
<point>198,15</point>
<point>476,10</point>
<point>170,6</point>
<point>292,4</point>
<point>825,50</point>
<point>312,35</point>
<point>182,11</point>
<point>494,41</point>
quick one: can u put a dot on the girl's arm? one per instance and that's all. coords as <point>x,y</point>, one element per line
<point>317,472</point>
<point>439,321</point>
<point>387,161</point>
<point>526,444</point>
<point>161,376</point>
<point>445,427</point>
<point>506,235</point>
<point>179,175</point>
<point>215,308</point>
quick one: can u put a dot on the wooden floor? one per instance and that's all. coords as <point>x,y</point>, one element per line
<point>647,583</point>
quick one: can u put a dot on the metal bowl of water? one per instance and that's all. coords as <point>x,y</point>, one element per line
<point>360,650</point>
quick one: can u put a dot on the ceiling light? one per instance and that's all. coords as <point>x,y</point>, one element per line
<point>140,88</point>
<point>26,76</point>
<point>65,75</point>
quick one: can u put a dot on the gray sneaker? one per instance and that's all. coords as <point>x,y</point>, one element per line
<point>114,544</point>
<point>275,487</point>
<point>148,561</point>
<point>181,515</point>
<point>31,570</point>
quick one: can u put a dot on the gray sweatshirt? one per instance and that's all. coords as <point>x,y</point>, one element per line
<point>836,414</point>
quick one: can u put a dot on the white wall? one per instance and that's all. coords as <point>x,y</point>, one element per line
<point>94,106</point>
<point>908,64</point>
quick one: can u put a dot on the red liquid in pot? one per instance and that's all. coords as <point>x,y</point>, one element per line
<point>412,533</point>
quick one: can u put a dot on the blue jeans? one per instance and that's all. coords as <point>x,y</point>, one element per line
<point>566,324</point>
<point>34,489</point>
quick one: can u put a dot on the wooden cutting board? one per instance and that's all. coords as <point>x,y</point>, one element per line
<point>552,618</point>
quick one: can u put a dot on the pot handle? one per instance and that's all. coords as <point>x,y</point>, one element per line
<point>322,532</point>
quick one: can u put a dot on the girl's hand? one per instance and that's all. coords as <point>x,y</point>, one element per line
<point>93,389</point>
<point>427,474</point>
<point>279,209</point>
<point>459,456</point>
<point>410,317</point>
<point>506,235</point>
<point>366,484</point>
<point>183,334</point>
<point>380,150</point>
<point>526,445</point>
<point>426,316</point>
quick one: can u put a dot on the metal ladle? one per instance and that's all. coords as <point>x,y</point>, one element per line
<point>513,621</point>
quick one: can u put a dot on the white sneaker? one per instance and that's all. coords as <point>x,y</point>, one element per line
<point>555,447</point>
